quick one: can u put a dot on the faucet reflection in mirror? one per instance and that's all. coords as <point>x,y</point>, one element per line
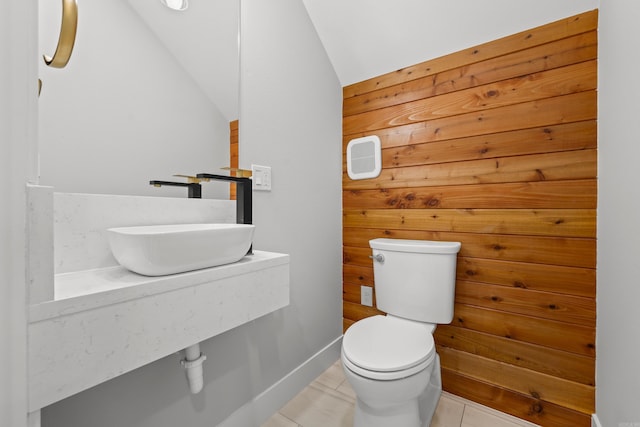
<point>193,185</point>
<point>244,201</point>
<point>243,190</point>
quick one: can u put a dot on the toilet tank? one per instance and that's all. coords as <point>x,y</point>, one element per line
<point>415,279</point>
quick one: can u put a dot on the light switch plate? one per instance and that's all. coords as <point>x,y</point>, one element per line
<point>261,176</point>
<point>366,295</point>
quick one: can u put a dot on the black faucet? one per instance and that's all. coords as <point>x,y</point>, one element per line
<point>195,189</point>
<point>244,203</point>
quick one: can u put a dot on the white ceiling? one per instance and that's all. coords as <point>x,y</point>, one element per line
<point>367,38</point>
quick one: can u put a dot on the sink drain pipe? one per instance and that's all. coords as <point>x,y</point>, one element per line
<point>192,363</point>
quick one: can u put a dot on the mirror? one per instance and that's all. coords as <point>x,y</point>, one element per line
<point>149,92</point>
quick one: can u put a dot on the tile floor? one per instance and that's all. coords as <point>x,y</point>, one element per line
<point>329,402</point>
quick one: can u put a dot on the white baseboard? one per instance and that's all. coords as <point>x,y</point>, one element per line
<point>267,403</point>
<point>595,422</point>
<point>34,419</point>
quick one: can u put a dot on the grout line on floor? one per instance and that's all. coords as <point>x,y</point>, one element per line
<point>332,380</point>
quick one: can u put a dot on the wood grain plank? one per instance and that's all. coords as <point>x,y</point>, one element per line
<point>538,277</point>
<point>547,333</point>
<point>569,165</point>
<point>529,87</point>
<point>536,222</point>
<point>541,195</point>
<point>569,394</point>
<point>355,312</point>
<point>233,153</point>
<point>547,140</point>
<point>546,112</point>
<point>558,54</point>
<point>579,282</point>
<point>357,275</point>
<point>351,293</point>
<point>357,257</point>
<point>530,249</point>
<point>546,305</point>
<point>543,34</point>
<point>550,139</point>
<point>522,406</point>
<point>346,323</point>
<point>558,363</point>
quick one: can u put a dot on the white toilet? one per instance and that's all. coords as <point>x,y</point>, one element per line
<point>390,361</point>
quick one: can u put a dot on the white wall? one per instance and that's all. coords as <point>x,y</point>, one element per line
<point>291,120</point>
<point>18,115</point>
<point>204,40</point>
<point>618,334</point>
<point>124,111</point>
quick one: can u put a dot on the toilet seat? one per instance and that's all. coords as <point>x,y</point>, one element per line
<point>387,348</point>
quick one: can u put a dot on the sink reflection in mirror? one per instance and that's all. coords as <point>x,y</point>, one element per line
<point>159,250</point>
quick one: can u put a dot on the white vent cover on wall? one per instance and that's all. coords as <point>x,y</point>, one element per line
<point>364,157</point>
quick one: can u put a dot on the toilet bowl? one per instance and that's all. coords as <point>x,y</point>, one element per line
<point>390,363</point>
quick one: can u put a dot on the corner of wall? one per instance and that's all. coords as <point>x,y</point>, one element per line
<point>595,422</point>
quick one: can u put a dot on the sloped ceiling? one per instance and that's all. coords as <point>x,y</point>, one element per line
<point>367,38</point>
<point>204,40</point>
<point>363,38</point>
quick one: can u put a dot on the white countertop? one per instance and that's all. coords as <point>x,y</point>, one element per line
<point>109,321</point>
<point>88,289</point>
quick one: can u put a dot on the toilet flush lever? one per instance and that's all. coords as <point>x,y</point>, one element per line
<point>378,257</point>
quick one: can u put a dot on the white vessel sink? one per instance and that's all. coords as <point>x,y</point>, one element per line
<point>158,250</point>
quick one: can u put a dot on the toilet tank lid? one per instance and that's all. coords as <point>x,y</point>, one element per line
<point>419,246</point>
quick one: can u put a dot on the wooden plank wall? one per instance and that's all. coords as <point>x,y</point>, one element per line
<point>233,154</point>
<point>495,147</point>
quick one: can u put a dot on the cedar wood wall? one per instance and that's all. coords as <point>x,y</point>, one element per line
<point>495,147</point>
<point>233,154</point>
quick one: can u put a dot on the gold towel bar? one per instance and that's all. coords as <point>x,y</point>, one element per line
<point>67,35</point>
